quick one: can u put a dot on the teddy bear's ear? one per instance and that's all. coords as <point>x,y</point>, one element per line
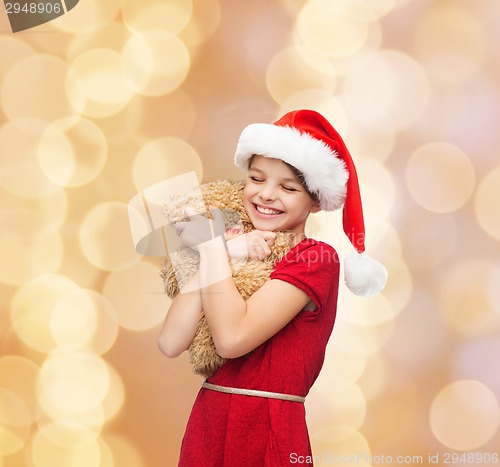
<point>170,281</point>
<point>224,194</point>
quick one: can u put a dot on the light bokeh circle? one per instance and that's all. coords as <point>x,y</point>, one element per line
<point>40,95</point>
<point>373,337</point>
<point>14,422</point>
<point>23,260</point>
<point>144,304</point>
<point>20,172</point>
<point>371,131</point>
<point>75,327</point>
<point>400,284</point>
<point>32,219</point>
<point>440,177</point>
<point>451,43</point>
<point>88,17</point>
<point>74,380</point>
<point>32,307</point>
<point>114,400</point>
<point>157,14</point>
<point>379,196</point>
<point>111,37</point>
<point>342,397</point>
<point>18,375</point>
<point>336,443</point>
<point>163,158</point>
<point>95,84</point>
<point>361,312</point>
<point>398,85</point>
<point>309,69</point>
<point>45,453</point>
<point>125,452</point>
<point>72,152</point>
<point>323,29</point>
<point>429,238</point>
<point>68,435</point>
<point>486,205</point>
<point>204,22</point>
<point>147,118</point>
<point>406,348</point>
<point>91,418</point>
<point>105,238</point>
<point>345,356</point>
<point>13,49</point>
<point>465,415</point>
<point>493,289</point>
<point>365,10</point>
<point>465,303</point>
<point>106,330</point>
<point>155,62</point>
<point>375,378</point>
<point>356,10</point>
<point>472,351</point>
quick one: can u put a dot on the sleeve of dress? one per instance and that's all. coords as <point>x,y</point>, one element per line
<point>313,267</point>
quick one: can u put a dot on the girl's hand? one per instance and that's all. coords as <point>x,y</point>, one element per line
<point>259,243</point>
<point>200,229</point>
<point>252,245</point>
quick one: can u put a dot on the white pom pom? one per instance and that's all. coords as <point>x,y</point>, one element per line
<point>363,275</point>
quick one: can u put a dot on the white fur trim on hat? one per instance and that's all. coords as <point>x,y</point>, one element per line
<point>324,172</point>
<point>363,275</point>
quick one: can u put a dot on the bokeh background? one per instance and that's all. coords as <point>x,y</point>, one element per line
<point>116,96</point>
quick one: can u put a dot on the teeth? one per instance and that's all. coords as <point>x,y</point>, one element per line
<point>267,211</point>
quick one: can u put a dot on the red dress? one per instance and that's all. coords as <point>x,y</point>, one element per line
<point>232,430</point>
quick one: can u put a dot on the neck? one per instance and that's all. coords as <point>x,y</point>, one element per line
<point>297,237</point>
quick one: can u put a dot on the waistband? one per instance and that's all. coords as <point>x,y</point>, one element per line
<point>253,392</point>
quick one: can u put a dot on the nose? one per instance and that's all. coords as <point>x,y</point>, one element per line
<point>267,193</point>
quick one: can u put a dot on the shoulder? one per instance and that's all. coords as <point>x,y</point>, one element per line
<point>311,245</point>
<point>311,249</point>
<point>311,254</point>
<point>313,267</point>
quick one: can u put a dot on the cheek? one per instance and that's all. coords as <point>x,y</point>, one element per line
<point>302,206</point>
<point>247,193</point>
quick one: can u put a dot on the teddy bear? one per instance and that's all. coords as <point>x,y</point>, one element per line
<point>248,275</point>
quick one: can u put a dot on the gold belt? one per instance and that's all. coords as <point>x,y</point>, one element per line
<point>253,392</point>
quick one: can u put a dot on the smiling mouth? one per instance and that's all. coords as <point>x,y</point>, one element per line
<point>267,211</point>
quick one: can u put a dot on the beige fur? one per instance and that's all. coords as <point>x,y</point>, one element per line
<point>248,276</point>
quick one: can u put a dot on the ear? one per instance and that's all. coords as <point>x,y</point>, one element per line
<point>315,207</point>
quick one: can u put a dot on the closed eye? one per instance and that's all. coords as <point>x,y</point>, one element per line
<point>255,179</point>
<point>289,188</point>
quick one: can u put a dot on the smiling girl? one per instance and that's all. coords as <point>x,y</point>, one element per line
<point>250,412</point>
<point>275,198</point>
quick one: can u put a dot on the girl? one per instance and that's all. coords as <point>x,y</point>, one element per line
<point>250,412</point>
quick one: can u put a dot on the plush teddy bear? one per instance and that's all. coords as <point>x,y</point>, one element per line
<point>248,275</point>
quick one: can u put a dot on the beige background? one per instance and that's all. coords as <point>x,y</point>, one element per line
<point>116,96</point>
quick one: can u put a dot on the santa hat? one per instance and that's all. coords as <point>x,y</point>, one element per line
<point>307,141</point>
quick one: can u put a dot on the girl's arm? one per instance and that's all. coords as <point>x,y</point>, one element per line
<point>182,320</point>
<point>237,326</point>
<point>185,311</point>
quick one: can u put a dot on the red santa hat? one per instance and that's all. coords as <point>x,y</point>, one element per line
<point>307,141</point>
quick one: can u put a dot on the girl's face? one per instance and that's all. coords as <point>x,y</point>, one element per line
<point>275,199</point>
